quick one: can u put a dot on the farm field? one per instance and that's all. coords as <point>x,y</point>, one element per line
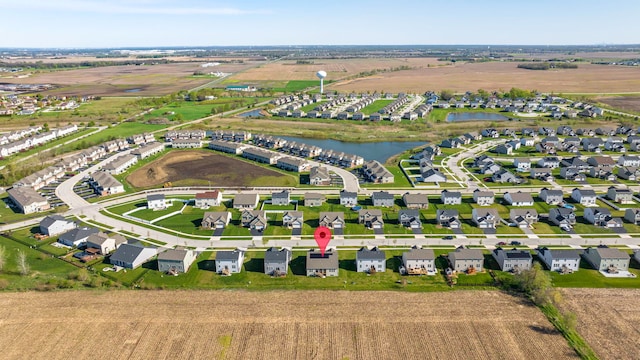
<point>630,103</point>
<point>125,80</point>
<point>310,325</point>
<point>462,77</point>
<point>199,167</point>
<point>607,319</point>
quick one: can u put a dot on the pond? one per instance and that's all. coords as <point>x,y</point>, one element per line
<point>380,151</point>
<point>474,116</point>
<point>252,113</point>
<point>133,90</point>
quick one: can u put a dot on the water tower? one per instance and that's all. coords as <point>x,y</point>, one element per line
<point>321,75</point>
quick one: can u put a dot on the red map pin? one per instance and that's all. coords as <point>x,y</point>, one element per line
<point>322,236</point>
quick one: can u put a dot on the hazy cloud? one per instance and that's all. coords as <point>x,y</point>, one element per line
<point>143,7</point>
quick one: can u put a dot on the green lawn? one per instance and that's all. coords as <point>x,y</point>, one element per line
<point>588,277</point>
<point>8,215</point>
<point>192,110</point>
<point>375,106</point>
<point>150,215</point>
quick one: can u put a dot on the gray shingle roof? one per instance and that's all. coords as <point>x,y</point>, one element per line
<point>154,197</point>
<point>228,255</point>
<point>420,254</point>
<point>127,253</point>
<point>49,220</point>
<point>173,255</point>
<point>78,233</point>
<point>373,254</point>
<point>316,261</point>
<point>277,255</point>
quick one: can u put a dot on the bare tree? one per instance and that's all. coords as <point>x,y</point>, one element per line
<point>23,265</point>
<point>3,258</point>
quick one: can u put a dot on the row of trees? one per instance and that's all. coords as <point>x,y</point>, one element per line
<point>513,93</point>
<point>548,65</point>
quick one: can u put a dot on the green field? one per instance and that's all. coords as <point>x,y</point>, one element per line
<point>190,110</point>
<point>375,106</point>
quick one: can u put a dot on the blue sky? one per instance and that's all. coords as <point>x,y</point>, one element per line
<point>149,23</point>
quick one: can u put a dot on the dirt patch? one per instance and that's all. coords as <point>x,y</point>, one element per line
<point>276,325</point>
<point>624,103</point>
<point>608,319</point>
<point>199,167</point>
<point>462,77</point>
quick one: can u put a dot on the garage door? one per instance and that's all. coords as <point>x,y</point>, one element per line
<point>337,226</point>
<point>219,226</point>
<point>377,226</point>
<point>296,225</point>
<point>415,226</point>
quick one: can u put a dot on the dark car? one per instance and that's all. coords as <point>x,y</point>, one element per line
<point>515,243</point>
<point>501,243</point>
<point>448,237</point>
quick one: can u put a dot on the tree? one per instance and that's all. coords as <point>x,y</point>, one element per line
<point>446,95</point>
<point>537,284</point>
<point>23,265</point>
<point>3,257</point>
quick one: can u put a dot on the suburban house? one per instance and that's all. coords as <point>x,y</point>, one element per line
<point>319,176</point>
<point>227,147</point>
<point>371,261</point>
<point>348,198</point>
<point>76,237</point>
<point>293,219</point>
<point>564,261</point>
<point>157,202</point>
<point>584,197</point>
<point>246,201</point>
<point>504,176</point>
<point>410,218</point>
<point>518,198</point>
<point>313,199</point>
<point>215,219</point>
<point>292,164</point>
<point>375,172</point>
<point>332,220</point>
<point>176,261</point>
<point>261,156</point>
<point>53,225</point>
<point>485,218</point>
<point>544,174</point>
<point>466,260</point>
<point>451,197</point>
<point>415,201</point>
<point>382,198</point>
<point>371,218</point>
<point>120,164</point>
<point>186,143</point>
<point>132,256</point>
<point>562,217</point>
<point>524,218</point>
<point>322,266</point>
<point>604,258</point>
<point>551,162</point>
<point>629,160</point>
<point>513,260</point>
<point>632,215</point>
<point>103,243</point>
<point>105,184</point>
<point>419,261</point>
<point>229,262</point>
<point>281,198</point>
<point>448,218</point>
<point>28,200</point>
<point>629,173</point>
<point>254,219</point>
<point>599,216</point>
<point>146,150</point>
<point>483,198</point>
<point>622,196</point>
<point>522,164</point>
<point>208,198</point>
<point>551,197</point>
<point>276,262</point>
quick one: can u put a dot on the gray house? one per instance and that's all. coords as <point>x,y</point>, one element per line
<point>332,219</point>
<point>77,236</point>
<point>604,258</point>
<point>562,217</point>
<point>322,266</point>
<point>632,216</point>
<point>483,198</point>
<point>176,261</point>
<point>313,199</point>
<point>348,198</point>
<point>622,196</point>
<point>382,198</point>
<point>585,197</point>
<point>551,197</point>
<point>565,261</point>
<point>448,218</point>
<point>466,260</point>
<point>513,260</point>
<point>246,201</point>
<point>451,197</point>
<point>131,256</point>
<point>370,261</point>
<point>281,198</point>
<point>524,218</point>
<point>215,219</point>
<point>410,218</point>
<point>485,218</point>
<point>53,225</point>
<point>276,262</point>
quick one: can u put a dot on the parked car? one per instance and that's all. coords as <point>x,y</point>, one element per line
<point>515,243</point>
<point>501,243</point>
<point>448,237</point>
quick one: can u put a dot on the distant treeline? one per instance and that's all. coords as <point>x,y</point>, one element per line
<point>548,65</point>
<point>73,65</point>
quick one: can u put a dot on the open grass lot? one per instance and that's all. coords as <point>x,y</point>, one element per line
<point>125,80</point>
<point>461,77</point>
<point>196,110</point>
<point>607,319</point>
<point>241,325</point>
<point>203,167</point>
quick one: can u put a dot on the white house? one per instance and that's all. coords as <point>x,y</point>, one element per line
<point>229,262</point>
<point>464,260</point>
<point>370,261</point>
<point>105,243</point>
<point>53,225</point>
<point>157,202</point>
<point>208,199</point>
<point>560,260</point>
<point>513,260</point>
<point>419,261</point>
<point>76,237</point>
<point>132,256</point>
